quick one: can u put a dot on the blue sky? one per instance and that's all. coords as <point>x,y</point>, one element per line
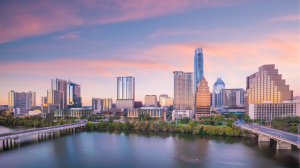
<point>93,42</point>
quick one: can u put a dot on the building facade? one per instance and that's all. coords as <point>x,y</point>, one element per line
<point>152,111</point>
<point>55,97</point>
<point>167,102</point>
<point>73,112</point>
<point>73,95</point>
<point>178,114</point>
<point>266,85</point>
<point>61,86</point>
<point>268,110</point>
<point>217,94</point>
<point>234,97</point>
<point>183,90</point>
<point>202,99</point>
<point>198,67</point>
<point>125,92</point>
<point>151,100</point>
<point>161,97</point>
<point>43,100</point>
<point>22,100</point>
<point>100,105</point>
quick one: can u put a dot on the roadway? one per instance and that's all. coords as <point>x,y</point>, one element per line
<point>274,132</point>
<point>38,129</point>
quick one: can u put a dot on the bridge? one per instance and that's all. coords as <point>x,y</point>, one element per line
<point>284,139</point>
<point>14,137</point>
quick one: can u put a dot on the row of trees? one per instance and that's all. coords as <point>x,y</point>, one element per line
<point>163,126</point>
<point>33,121</point>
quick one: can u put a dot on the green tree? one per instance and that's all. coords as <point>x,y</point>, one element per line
<point>83,117</point>
<point>229,122</point>
<point>110,120</point>
<point>219,118</point>
<point>293,129</point>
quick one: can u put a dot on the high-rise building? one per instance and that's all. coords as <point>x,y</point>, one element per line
<point>55,97</point>
<point>99,104</point>
<point>60,85</point>
<point>21,100</point>
<point>138,104</point>
<point>73,95</point>
<point>125,92</point>
<point>166,102</point>
<point>266,85</point>
<point>183,90</point>
<point>151,100</point>
<point>217,94</point>
<point>43,101</point>
<point>161,97</point>
<point>198,67</point>
<point>234,97</point>
<point>202,99</point>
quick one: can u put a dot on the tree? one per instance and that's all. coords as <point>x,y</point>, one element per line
<point>110,120</point>
<point>219,118</point>
<point>185,120</point>
<point>246,118</point>
<point>293,129</point>
<point>229,122</point>
<point>191,124</point>
<point>211,122</point>
<point>250,121</point>
<point>83,117</point>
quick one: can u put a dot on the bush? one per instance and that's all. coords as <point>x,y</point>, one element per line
<point>211,122</point>
<point>293,129</point>
<point>229,122</point>
<point>219,123</point>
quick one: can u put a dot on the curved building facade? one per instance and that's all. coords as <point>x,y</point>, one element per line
<point>217,94</point>
<point>202,99</point>
<point>198,67</point>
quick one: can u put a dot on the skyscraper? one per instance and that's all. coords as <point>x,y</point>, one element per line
<point>183,90</point>
<point>99,104</point>
<point>21,100</point>
<point>217,94</point>
<point>198,67</point>
<point>266,85</point>
<point>202,99</point>
<point>151,100</point>
<point>233,97</point>
<point>60,85</point>
<point>43,100</point>
<point>73,95</point>
<point>125,92</point>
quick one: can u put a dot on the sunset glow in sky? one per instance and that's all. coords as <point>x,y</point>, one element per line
<point>93,42</point>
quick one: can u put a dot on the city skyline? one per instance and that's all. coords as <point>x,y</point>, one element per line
<point>94,52</point>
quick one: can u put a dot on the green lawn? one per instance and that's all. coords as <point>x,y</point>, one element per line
<point>223,125</point>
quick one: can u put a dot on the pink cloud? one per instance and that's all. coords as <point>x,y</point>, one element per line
<point>35,18</point>
<point>286,18</point>
<point>72,35</point>
<point>167,32</point>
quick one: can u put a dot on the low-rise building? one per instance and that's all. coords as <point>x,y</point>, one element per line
<point>176,114</point>
<point>153,111</point>
<point>107,114</point>
<point>268,110</point>
<point>73,112</point>
<point>233,110</point>
<point>35,112</point>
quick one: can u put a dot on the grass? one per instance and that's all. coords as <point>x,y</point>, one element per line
<point>223,125</point>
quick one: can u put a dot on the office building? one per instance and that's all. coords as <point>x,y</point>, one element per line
<point>198,67</point>
<point>43,100</point>
<point>268,110</point>
<point>152,111</point>
<point>48,109</point>
<point>183,90</point>
<point>73,95</point>
<point>60,85</point>
<point>234,97</point>
<point>231,110</point>
<point>266,85</point>
<point>73,112</point>
<point>55,97</point>
<point>178,114</point>
<point>151,100</point>
<point>161,97</point>
<point>125,92</point>
<point>22,100</point>
<point>202,99</point>
<point>166,102</point>
<point>100,105</point>
<point>217,94</point>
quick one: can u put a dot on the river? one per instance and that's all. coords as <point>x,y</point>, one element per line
<point>115,148</point>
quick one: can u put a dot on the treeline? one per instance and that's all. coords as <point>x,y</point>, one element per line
<point>163,126</point>
<point>33,121</point>
<point>286,123</point>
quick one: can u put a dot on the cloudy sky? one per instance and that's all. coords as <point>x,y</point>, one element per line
<point>93,42</point>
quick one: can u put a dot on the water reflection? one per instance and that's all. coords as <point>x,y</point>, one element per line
<point>116,148</point>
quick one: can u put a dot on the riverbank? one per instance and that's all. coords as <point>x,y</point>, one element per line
<point>162,126</point>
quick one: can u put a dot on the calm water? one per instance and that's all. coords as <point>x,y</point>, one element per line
<point>115,148</point>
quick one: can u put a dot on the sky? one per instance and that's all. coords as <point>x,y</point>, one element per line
<point>93,42</point>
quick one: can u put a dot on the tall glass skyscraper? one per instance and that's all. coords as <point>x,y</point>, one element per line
<point>217,94</point>
<point>125,92</point>
<point>74,96</point>
<point>60,85</point>
<point>198,67</point>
